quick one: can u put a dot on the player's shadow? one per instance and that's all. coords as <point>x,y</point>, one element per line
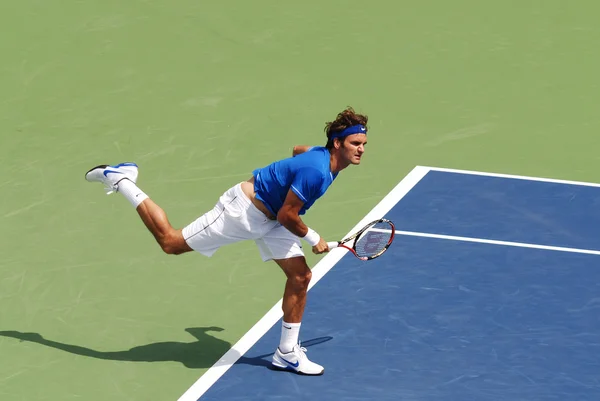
<point>201,353</point>
<point>265,359</point>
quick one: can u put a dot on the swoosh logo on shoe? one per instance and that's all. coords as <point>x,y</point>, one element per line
<point>294,365</point>
<point>107,172</point>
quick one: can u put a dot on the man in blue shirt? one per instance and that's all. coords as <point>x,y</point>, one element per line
<point>267,209</point>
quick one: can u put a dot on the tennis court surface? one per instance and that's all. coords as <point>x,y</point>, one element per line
<point>489,292</point>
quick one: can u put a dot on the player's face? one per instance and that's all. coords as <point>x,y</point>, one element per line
<point>354,147</point>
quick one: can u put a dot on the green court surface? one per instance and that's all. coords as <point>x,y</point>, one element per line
<point>199,94</point>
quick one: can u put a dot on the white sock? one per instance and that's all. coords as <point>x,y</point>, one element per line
<point>131,192</point>
<point>289,336</point>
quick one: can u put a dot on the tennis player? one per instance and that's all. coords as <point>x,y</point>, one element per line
<point>266,209</point>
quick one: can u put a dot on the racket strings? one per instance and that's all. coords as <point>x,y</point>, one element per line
<point>374,240</point>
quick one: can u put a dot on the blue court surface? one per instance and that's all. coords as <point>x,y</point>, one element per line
<point>490,291</point>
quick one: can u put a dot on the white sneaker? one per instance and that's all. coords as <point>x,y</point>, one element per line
<point>111,175</point>
<point>296,361</point>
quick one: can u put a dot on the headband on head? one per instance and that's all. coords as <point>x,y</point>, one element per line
<point>355,129</point>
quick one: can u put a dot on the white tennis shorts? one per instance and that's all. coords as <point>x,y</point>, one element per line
<point>234,218</point>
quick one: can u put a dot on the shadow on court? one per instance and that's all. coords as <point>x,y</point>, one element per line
<point>265,359</point>
<point>202,353</point>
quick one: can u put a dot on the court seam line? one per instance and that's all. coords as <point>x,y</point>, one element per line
<point>514,176</point>
<point>492,242</point>
<point>257,331</point>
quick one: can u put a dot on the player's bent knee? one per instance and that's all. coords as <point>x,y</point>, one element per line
<point>173,250</point>
<point>174,244</point>
<point>301,281</point>
<point>297,271</point>
<point>170,250</point>
<point>308,276</point>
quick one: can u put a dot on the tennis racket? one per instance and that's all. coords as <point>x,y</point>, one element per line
<point>369,242</point>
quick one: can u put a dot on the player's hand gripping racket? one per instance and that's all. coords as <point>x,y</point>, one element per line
<point>369,242</point>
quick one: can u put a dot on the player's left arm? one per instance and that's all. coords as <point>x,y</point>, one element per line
<point>298,149</point>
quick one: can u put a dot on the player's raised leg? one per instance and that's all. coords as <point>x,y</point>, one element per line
<point>170,239</point>
<point>122,178</point>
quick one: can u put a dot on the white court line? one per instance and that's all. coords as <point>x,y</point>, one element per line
<point>273,315</point>
<point>327,263</point>
<point>492,242</point>
<point>514,177</point>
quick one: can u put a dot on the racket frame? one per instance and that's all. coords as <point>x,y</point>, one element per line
<point>356,236</point>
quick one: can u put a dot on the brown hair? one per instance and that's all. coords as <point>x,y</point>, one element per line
<point>345,119</point>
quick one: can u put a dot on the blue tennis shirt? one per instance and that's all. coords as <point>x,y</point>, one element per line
<point>308,175</point>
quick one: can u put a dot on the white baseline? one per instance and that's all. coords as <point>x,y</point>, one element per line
<point>272,316</point>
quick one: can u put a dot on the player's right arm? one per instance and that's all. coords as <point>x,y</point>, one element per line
<point>289,217</point>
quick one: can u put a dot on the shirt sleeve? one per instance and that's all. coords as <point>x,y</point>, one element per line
<point>307,184</point>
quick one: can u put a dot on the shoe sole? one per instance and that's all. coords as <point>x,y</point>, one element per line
<point>292,370</point>
<point>103,166</point>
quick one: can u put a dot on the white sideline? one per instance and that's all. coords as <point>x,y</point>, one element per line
<point>326,264</point>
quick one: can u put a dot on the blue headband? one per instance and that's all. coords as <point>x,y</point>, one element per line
<point>355,129</point>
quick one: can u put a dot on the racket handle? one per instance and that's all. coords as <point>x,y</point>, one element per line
<point>333,244</point>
